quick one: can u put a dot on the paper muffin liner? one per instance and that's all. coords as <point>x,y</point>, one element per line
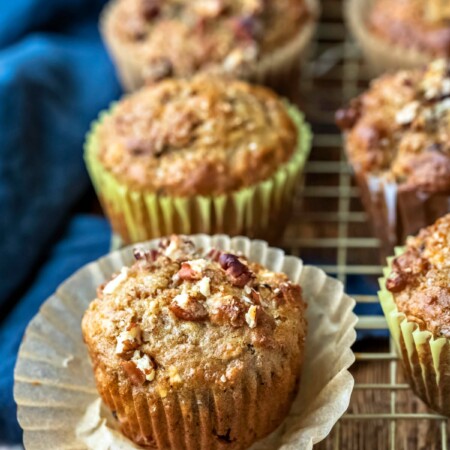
<point>59,407</point>
<point>261,210</point>
<point>380,54</point>
<point>425,359</point>
<point>279,69</point>
<point>397,212</point>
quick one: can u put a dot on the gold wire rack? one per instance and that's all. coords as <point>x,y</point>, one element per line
<point>329,228</point>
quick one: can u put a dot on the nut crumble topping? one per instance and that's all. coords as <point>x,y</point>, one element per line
<point>181,299</point>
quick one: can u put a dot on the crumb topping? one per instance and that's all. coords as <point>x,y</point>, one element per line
<point>182,36</point>
<point>400,128</point>
<point>419,280</point>
<point>177,299</point>
<point>202,136</point>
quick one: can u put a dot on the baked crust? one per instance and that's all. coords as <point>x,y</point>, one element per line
<point>181,37</point>
<point>420,279</point>
<point>405,23</point>
<point>179,326</point>
<point>203,136</point>
<point>399,129</point>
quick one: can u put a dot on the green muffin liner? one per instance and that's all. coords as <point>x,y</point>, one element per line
<point>256,211</point>
<point>426,359</point>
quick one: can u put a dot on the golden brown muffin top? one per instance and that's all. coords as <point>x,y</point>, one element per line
<point>411,24</point>
<point>400,128</point>
<point>179,316</point>
<point>420,279</point>
<point>180,37</point>
<point>201,136</point>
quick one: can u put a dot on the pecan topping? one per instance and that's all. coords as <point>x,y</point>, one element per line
<point>214,254</point>
<point>238,272</point>
<point>145,255</point>
<point>129,339</point>
<point>187,273</point>
<point>136,376</point>
<point>229,310</point>
<point>347,117</point>
<point>186,308</point>
<point>150,8</point>
<point>396,282</point>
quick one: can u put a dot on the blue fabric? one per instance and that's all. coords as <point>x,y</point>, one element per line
<point>86,238</point>
<point>55,76</point>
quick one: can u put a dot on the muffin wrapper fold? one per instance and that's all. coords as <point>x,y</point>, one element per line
<point>426,359</point>
<point>381,55</point>
<point>397,212</point>
<point>279,70</point>
<point>58,404</point>
<point>257,211</point>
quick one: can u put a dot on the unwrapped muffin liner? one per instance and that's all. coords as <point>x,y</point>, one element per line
<point>425,359</point>
<point>397,212</point>
<point>278,69</point>
<point>380,54</point>
<point>58,405</point>
<point>258,211</point>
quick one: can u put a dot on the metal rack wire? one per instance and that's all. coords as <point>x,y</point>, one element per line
<point>384,413</point>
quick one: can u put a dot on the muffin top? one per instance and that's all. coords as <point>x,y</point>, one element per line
<point>420,279</point>
<point>178,315</point>
<point>202,136</point>
<point>180,37</point>
<point>400,128</point>
<point>417,24</point>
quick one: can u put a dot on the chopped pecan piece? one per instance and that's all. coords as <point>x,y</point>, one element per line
<point>231,311</point>
<point>396,282</point>
<point>186,308</point>
<point>129,340</point>
<point>214,254</point>
<point>150,8</point>
<point>238,272</point>
<point>136,376</point>
<point>187,273</point>
<point>347,117</point>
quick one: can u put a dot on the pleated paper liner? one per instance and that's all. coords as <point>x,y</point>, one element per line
<point>396,212</point>
<point>58,405</point>
<point>278,69</point>
<point>426,359</point>
<point>381,55</point>
<point>259,211</point>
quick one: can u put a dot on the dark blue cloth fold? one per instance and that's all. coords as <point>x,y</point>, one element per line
<point>86,239</point>
<point>52,85</point>
<point>55,77</point>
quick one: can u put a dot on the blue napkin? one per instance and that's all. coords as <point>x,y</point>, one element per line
<point>86,239</point>
<point>52,85</point>
<point>55,76</point>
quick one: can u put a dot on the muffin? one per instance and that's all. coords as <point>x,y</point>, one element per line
<point>415,297</point>
<point>397,138</point>
<point>196,351</point>
<point>400,34</point>
<point>252,39</point>
<point>205,155</point>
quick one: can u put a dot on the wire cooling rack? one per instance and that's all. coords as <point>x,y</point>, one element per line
<point>330,229</point>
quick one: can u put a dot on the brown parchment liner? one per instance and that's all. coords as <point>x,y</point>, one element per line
<point>396,211</point>
<point>380,54</point>
<point>425,358</point>
<point>58,405</point>
<point>279,69</point>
